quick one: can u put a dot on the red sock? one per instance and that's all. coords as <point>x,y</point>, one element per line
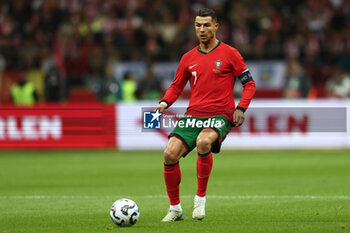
<point>204,165</point>
<point>172,176</point>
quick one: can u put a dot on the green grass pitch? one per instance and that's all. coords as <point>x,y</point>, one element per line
<point>302,191</point>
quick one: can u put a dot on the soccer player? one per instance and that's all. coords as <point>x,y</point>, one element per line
<point>211,69</point>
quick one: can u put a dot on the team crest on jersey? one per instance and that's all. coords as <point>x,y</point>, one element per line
<point>217,63</point>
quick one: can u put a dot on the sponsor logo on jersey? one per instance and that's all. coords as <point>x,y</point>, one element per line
<point>192,66</point>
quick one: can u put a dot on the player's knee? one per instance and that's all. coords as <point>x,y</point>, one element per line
<point>203,143</point>
<point>170,156</point>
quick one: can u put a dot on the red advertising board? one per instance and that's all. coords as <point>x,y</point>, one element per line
<point>58,126</point>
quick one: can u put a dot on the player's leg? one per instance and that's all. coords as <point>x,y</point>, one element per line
<point>205,140</point>
<point>172,175</point>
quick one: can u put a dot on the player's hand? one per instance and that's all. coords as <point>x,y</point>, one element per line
<point>238,117</point>
<point>160,107</point>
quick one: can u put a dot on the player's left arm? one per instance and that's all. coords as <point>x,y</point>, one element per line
<point>242,73</point>
<point>249,88</point>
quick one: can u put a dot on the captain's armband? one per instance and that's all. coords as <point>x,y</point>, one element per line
<point>245,77</point>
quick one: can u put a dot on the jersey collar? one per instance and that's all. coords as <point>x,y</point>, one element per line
<point>201,51</point>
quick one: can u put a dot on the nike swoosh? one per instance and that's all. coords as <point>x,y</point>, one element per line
<point>192,66</point>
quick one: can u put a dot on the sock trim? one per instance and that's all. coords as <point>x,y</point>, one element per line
<point>171,165</point>
<point>204,155</point>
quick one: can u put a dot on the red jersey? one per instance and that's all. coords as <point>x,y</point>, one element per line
<point>212,76</point>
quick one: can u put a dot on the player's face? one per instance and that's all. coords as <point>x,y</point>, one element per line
<point>205,29</point>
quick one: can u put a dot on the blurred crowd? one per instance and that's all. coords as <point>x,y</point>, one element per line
<point>78,40</point>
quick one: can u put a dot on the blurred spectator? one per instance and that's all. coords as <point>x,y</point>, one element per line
<point>111,90</point>
<point>297,84</point>
<point>338,86</point>
<point>150,86</point>
<point>129,87</point>
<point>23,92</point>
<point>53,85</point>
<point>98,72</point>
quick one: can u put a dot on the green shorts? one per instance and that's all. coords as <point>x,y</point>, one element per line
<point>188,129</point>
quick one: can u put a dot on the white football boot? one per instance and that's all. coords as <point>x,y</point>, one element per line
<point>173,215</point>
<point>199,208</point>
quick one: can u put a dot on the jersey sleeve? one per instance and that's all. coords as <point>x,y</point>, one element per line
<point>181,77</point>
<point>238,64</point>
<point>241,72</point>
<point>249,89</point>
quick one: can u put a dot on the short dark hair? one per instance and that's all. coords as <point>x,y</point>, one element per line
<point>204,12</point>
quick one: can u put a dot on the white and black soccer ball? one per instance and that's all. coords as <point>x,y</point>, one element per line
<point>124,212</point>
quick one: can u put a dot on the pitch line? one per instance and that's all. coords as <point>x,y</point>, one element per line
<point>223,197</point>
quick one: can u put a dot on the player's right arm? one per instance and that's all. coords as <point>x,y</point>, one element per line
<point>181,77</point>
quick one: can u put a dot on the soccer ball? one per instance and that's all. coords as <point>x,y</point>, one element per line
<point>124,212</point>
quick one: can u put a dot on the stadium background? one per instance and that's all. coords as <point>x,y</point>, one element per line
<point>96,64</point>
<point>111,55</point>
